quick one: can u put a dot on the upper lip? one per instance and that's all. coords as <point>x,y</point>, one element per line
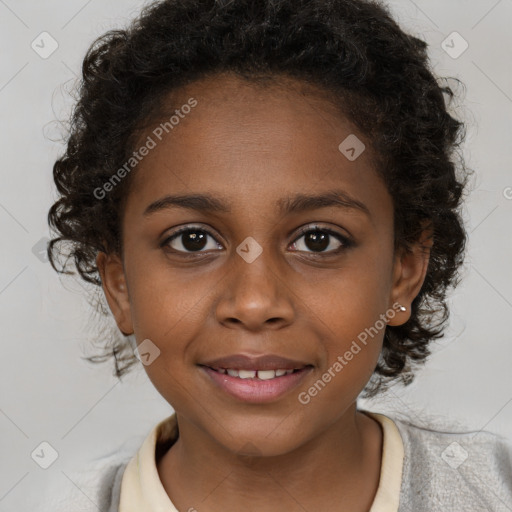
<point>263,362</point>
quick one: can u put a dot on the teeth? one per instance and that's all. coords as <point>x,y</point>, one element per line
<point>251,374</point>
<point>266,374</point>
<point>246,374</point>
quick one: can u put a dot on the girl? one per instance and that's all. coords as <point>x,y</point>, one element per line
<point>266,192</point>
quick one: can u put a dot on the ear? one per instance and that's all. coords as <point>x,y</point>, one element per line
<point>113,281</point>
<point>409,271</point>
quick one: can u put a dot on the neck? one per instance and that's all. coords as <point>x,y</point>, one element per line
<point>337,470</point>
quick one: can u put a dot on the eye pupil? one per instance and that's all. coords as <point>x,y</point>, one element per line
<point>317,240</point>
<point>193,240</point>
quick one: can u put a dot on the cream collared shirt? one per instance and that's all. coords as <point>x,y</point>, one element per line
<point>142,490</point>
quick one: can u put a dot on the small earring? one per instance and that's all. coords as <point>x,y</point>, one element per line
<point>402,308</point>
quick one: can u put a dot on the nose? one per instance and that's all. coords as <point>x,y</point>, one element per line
<point>255,296</point>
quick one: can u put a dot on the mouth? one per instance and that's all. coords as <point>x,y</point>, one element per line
<point>256,380</point>
<point>256,374</point>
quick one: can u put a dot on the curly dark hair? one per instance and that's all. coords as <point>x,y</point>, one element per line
<point>378,76</point>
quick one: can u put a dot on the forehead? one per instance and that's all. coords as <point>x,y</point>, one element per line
<point>252,144</point>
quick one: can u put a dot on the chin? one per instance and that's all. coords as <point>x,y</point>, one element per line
<point>260,438</point>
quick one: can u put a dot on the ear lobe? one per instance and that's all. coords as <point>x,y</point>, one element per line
<point>113,281</point>
<point>410,270</point>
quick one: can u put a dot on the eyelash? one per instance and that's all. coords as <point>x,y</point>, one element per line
<point>346,243</point>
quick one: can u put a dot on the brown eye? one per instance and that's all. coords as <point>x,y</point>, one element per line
<point>320,240</point>
<point>190,239</point>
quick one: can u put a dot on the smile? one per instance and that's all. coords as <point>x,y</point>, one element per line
<point>255,374</point>
<point>256,386</point>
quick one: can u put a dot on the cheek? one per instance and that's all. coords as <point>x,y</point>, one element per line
<point>349,300</point>
<point>170,313</point>
<point>356,340</point>
<point>352,332</point>
<point>166,301</point>
<point>350,311</point>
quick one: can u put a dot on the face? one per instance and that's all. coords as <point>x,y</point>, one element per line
<point>261,268</point>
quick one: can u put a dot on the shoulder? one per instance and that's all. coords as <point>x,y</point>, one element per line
<point>95,487</point>
<point>451,468</point>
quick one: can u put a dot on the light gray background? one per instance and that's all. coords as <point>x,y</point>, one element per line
<point>47,393</point>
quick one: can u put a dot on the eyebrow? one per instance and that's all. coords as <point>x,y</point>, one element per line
<point>292,204</point>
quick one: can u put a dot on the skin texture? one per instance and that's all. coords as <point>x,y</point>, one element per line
<point>252,146</point>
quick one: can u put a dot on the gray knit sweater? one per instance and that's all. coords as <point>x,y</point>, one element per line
<point>442,472</point>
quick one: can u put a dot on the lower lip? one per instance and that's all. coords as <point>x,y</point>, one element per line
<point>257,390</point>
